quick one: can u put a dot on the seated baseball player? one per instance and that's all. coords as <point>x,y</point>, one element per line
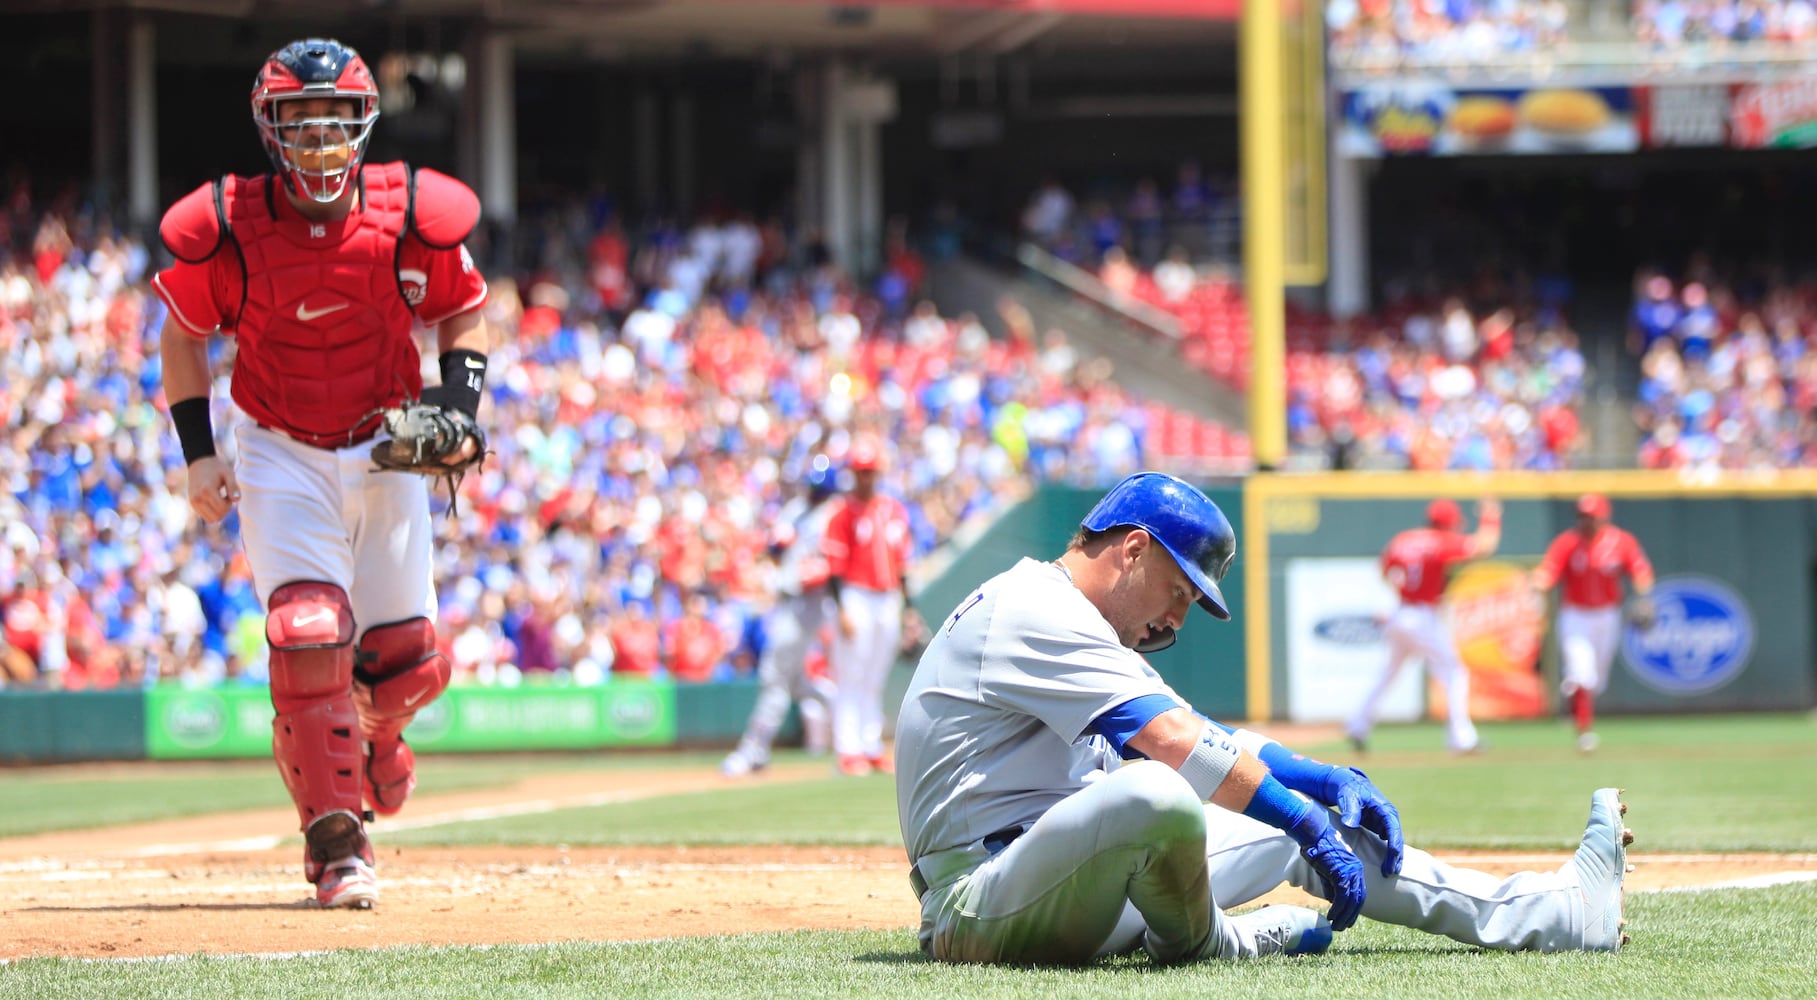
<point>1059,801</point>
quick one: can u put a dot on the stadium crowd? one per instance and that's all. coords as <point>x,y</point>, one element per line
<point>1384,34</point>
<point>652,403</point>
<point>1431,384</point>
<point>1727,376</point>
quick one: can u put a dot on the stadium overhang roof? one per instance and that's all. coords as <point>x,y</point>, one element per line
<point>667,28</point>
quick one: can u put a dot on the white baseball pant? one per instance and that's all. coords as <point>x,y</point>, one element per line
<point>789,629</point>
<point>1423,630</point>
<point>1586,646</point>
<point>861,664</point>
<point>310,513</point>
<point>1124,864</point>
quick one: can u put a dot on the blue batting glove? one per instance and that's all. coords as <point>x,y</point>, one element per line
<point>1360,803</point>
<point>1342,873</point>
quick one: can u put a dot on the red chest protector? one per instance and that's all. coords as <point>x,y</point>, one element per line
<point>323,326</point>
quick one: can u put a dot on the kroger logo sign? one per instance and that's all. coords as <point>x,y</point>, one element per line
<point>1700,640</point>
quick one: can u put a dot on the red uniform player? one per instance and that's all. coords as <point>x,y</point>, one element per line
<point>320,270</point>
<point>1589,560</point>
<point>867,550</point>
<point>1417,564</point>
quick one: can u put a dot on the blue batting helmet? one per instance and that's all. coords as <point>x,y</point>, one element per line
<point>1187,524</point>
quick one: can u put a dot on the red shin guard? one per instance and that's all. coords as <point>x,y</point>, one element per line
<point>398,673</point>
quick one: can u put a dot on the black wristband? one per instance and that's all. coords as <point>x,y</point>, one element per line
<point>463,379</point>
<point>195,430</point>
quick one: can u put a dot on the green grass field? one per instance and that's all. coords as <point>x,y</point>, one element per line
<point>1695,785</point>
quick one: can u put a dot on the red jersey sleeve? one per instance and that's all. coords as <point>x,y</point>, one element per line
<point>195,294</point>
<point>441,284</point>
<point>1456,548</point>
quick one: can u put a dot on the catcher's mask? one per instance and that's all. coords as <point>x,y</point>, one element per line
<point>1187,524</point>
<point>318,155</point>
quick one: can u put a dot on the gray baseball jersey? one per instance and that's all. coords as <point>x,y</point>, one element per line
<point>992,732</point>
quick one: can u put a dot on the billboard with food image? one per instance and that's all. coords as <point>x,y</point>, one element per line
<point>1414,117</point>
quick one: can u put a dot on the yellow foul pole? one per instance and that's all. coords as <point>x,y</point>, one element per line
<point>1264,224</point>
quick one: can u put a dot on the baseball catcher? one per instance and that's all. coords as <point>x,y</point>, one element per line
<point>322,268</point>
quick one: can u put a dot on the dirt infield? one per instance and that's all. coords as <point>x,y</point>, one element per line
<point>217,884</point>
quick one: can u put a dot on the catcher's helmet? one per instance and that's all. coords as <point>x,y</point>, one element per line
<point>1187,524</point>
<point>316,156</point>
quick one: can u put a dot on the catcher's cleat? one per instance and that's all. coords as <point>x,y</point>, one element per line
<point>348,883</point>
<point>1599,868</point>
<point>337,857</point>
<point>1282,930</point>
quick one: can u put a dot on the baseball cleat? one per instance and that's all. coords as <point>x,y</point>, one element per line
<point>853,765</point>
<point>1283,930</point>
<point>1599,867</point>
<point>737,765</point>
<point>337,857</point>
<point>347,884</point>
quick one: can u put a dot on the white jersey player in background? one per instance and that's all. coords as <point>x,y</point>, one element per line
<point>803,606</point>
<point>1059,801</point>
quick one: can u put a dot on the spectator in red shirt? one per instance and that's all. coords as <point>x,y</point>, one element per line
<point>692,644</point>
<point>1417,564</point>
<point>1589,560</point>
<point>636,643</point>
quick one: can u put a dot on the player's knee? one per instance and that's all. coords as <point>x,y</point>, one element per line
<point>310,629</point>
<point>399,670</point>
<point>1158,802</point>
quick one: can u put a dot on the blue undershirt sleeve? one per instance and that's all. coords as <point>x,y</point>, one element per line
<point>1121,722</point>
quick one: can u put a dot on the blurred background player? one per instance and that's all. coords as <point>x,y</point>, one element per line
<point>867,549</point>
<point>1589,560</point>
<point>1417,564</point>
<point>320,270</point>
<point>803,607</point>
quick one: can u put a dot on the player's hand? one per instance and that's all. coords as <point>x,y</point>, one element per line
<point>1342,872</point>
<point>848,626</point>
<point>462,455</point>
<point>213,490</point>
<point>1360,804</point>
<point>1489,507</point>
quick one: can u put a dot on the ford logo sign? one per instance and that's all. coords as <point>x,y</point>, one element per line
<point>1349,630</point>
<point>1700,640</point>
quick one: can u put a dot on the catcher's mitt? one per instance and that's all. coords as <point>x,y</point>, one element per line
<point>1640,612</point>
<point>423,437</point>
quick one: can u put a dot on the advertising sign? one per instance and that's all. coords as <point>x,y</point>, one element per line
<point>1422,117</point>
<point>1335,611</point>
<point>1499,622</point>
<point>1779,115</point>
<point>1702,635</point>
<point>1680,116</point>
<point>236,721</point>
